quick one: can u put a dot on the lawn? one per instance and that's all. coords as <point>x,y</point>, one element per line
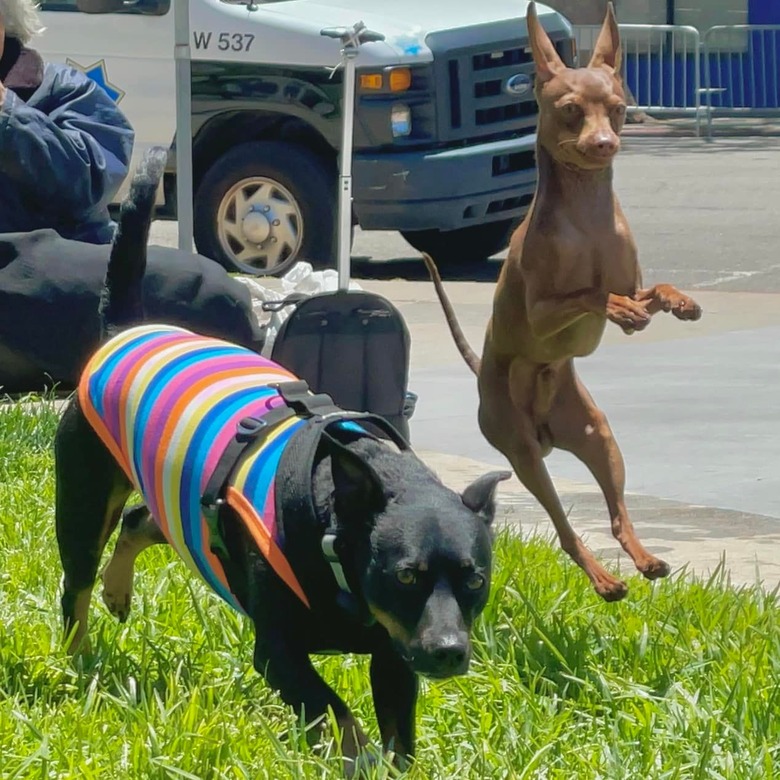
<point>680,680</point>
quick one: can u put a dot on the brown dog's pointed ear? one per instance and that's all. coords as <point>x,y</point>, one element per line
<point>548,62</point>
<point>607,49</point>
<point>480,495</point>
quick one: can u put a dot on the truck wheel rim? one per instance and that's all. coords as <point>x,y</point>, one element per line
<point>259,224</point>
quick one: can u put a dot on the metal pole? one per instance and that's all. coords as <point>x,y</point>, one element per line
<point>351,39</point>
<point>181,54</point>
<point>345,168</point>
<point>697,82</point>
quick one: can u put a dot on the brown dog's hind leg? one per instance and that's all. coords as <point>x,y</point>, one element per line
<point>532,472</point>
<point>517,440</point>
<point>579,426</point>
<point>139,531</point>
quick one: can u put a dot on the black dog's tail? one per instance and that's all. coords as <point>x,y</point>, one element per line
<point>121,301</point>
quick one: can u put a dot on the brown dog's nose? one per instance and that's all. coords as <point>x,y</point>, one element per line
<point>605,145</point>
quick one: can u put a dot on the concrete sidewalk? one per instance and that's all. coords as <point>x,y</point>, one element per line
<point>686,536</point>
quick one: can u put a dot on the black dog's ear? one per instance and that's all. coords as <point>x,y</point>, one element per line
<point>358,487</point>
<point>480,495</point>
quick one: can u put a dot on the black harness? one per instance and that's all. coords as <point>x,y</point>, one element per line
<point>320,413</point>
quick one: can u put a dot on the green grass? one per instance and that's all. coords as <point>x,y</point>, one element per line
<point>681,680</point>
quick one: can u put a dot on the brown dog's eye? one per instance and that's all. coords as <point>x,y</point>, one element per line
<point>475,581</point>
<point>406,576</point>
<point>619,109</point>
<point>571,110</point>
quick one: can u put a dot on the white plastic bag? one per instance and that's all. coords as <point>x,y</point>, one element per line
<point>301,278</point>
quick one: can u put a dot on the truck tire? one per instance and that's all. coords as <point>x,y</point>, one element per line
<point>464,245</point>
<point>265,204</point>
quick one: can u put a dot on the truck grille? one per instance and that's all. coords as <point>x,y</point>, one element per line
<point>472,98</point>
<point>476,103</point>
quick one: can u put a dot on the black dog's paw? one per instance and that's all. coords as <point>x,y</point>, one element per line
<point>118,588</point>
<point>368,758</point>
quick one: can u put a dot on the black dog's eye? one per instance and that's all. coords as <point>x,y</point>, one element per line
<point>475,581</point>
<point>406,576</point>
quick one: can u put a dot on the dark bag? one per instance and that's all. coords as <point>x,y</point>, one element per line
<point>352,345</point>
<point>49,294</point>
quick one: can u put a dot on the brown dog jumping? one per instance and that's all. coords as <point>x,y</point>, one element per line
<point>572,265</point>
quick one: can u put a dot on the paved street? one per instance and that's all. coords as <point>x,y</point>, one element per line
<point>695,406</point>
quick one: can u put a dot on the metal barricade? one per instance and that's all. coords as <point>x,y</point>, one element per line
<point>740,70</point>
<point>661,66</point>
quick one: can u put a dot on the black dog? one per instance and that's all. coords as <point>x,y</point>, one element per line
<point>394,564</point>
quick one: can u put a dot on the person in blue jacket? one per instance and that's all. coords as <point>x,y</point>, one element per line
<point>65,146</point>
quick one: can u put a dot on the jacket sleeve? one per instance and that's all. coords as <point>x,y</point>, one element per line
<point>72,144</point>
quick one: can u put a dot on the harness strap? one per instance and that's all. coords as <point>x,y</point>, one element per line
<point>249,431</point>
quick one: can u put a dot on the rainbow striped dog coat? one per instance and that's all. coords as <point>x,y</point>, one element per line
<point>166,402</point>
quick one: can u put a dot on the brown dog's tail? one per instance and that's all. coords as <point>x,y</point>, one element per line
<point>471,357</point>
<point>121,300</point>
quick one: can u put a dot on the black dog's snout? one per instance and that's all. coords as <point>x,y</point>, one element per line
<point>451,656</point>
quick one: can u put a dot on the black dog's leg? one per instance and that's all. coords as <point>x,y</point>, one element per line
<point>139,531</point>
<point>288,668</point>
<point>91,491</point>
<point>394,686</point>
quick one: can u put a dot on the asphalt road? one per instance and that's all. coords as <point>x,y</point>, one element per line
<point>695,407</point>
<point>705,216</point>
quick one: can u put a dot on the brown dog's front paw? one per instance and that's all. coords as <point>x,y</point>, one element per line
<point>654,568</point>
<point>630,315</point>
<point>686,309</point>
<point>611,589</point>
<point>664,297</point>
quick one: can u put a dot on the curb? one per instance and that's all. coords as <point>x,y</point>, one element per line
<point>697,541</point>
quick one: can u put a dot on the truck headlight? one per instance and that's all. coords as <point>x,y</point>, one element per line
<point>401,120</point>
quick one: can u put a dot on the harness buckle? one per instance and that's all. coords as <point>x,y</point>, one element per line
<point>298,396</point>
<point>345,598</point>
<point>248,428</point>
<point>331,555</point>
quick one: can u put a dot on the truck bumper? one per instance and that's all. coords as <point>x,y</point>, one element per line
<point>444,190</point>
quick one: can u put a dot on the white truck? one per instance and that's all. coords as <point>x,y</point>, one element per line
<point>445,116</point>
